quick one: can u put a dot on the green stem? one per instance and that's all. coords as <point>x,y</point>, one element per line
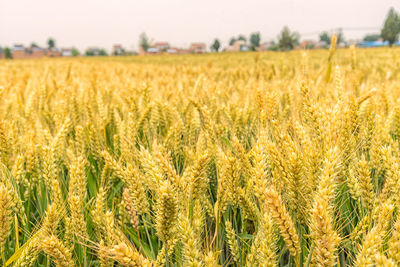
<point>28,212</point>
<point>84,257</point>
<point>342,259</point>
<point>290,260</point>
<point>3,256</point>
<point>309,256</point>
<point>235,226</point>
<point>148,237</point>
<point>16,232</point>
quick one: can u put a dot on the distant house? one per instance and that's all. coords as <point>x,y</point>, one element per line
<point>157,48</point>
<point>92,51</point>
<point>161,46</point>
<point>379,43</point>
<point>67,52</point>
<point>308,44</point>
<point>37,52</point>
<point>153,50</point>
<point>374,44</point>
<point>321,44</point>
<point>266,46</point>
<point>54,52</point>
<point>18,51</point>
<point>172,50</point>
<point>239,45</point>
<point>118,50</point>
<point>198,48</point>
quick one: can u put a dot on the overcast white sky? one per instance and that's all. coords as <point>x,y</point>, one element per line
<point>84,23</point>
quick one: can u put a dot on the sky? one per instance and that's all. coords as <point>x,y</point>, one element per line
<point>102,23</point>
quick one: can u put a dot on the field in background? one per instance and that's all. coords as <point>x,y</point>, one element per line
<point>247,159</point>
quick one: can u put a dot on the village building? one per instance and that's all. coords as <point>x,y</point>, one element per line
<point>93,51</point>
<point>54,52</point>
<point>36,52</point>
<point>308,44</point>
<point>67,52</point>
<point>198,48</point>
<point>18,51</point>
<point>172,50</point>
<point>266,46</point>
<point>118,50</point>
<point>238,46</point>
<point>161,46</point>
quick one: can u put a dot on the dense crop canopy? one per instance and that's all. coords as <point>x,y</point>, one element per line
<point>250,159</point>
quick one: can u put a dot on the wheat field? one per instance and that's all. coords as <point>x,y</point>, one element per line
<point>242,159</point>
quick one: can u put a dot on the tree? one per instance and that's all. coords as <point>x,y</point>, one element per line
<point>274,47</point>
<point>75,52</point>
<point>391,27</point>
<point>255,39</point>
<point>216,45</point>
<point>232,41</point>
<point>102,52</point>
<point>324,37</point>
<point>340,36</point>
<point>51,43</point>
<point>121,52</point>
<point>7,53</point>
<point>287,40</point>
<point>310,46</point>
<point>34,45</point>
<point>89,53</point>
<point>371,37</point>
<point>144,42</point>
<point>242,38</point>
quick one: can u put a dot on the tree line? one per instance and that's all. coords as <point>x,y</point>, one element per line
<point>287,40</point>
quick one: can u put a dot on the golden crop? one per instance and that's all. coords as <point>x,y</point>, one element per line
<point>248,159</point>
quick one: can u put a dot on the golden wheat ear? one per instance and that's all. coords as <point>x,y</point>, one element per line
<point>5,219</point>
<point>274,204</point>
